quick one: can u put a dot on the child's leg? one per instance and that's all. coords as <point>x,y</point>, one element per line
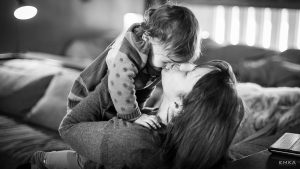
<point>67,159</point>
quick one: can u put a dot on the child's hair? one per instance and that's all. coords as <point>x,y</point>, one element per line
<point>177,28</point>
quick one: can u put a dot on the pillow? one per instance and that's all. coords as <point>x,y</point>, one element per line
<point>22,85</point>
<point>234,54</point>
<point>291,55</point>
<point>51,109</point>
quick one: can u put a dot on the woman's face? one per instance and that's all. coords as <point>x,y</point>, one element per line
<point>179,79</point>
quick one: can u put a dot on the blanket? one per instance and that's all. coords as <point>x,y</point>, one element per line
<point>279,107</point>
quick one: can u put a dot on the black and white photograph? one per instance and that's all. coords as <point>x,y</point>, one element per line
<point>149,84</point>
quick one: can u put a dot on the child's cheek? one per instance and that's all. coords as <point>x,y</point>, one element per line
<point>161,63</point>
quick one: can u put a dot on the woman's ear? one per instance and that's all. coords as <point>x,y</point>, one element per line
<point>177,105</point>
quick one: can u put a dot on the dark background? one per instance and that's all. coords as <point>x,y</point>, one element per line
<point>58,22</point>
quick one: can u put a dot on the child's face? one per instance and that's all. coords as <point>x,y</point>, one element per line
<point>159,57</point>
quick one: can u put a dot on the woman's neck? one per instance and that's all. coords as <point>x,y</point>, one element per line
<point>164,110</point>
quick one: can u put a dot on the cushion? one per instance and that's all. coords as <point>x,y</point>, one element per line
<point>291,55</point>
<point>19,141</point>
<point>234,54</point>
<point>50,110</point>
<point>23,83</point>
<point>272,72</point>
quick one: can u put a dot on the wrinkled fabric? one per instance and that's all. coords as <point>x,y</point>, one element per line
<point>278,106</point>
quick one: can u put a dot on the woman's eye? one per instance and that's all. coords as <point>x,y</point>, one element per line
<point>176,66</point>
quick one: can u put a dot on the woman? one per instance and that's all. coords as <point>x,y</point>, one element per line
<point>200,135</point>
<point>200,109</point>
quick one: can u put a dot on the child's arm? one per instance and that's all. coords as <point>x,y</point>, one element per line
<point>122,90</point>
<point>122,72</point>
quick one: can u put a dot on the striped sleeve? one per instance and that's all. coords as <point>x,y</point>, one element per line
<point>78,92</point>
<point>88,79</point>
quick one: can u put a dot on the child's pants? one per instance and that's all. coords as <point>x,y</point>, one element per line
<point>66,159</point>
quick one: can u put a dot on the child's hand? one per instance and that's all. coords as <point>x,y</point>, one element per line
<point>149,121</point>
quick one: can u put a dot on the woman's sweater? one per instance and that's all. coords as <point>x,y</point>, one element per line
<point>113,144</point>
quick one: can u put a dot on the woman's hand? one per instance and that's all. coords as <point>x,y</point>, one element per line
<point>149,121</point>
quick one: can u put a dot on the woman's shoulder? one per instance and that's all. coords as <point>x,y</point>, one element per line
<point>128,130</point>
<point>129,143</point>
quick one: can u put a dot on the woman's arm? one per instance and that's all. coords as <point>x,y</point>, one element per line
<point>79,127</point>
<point>110,143</point>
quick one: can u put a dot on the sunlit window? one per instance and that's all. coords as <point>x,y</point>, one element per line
<point>220,24</point>
<point>267,28</point>
<point>235,25</point>
<point>284,30</point>
<point>131,18</point>
<point>274,28</point>
<point>251,27</point>
<point>298,30</point>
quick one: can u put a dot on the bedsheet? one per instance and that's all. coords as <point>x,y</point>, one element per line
<point>18,141</point>
<point>278,107</point>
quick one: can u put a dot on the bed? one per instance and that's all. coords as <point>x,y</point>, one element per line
<point>267,67</point>
<point>34,102</point>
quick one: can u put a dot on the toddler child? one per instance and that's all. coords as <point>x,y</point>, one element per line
<point>133,65</point>
<point>133,62</point>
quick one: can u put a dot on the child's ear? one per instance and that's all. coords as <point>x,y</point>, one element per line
<point>145,37</point>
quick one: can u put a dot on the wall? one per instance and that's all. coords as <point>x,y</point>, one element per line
<point>60,21</point>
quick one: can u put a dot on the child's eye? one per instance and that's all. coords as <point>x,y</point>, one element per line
<point>168,66</point>
<point>175,66</point>
<point>175,61</point>
<point>178,66</point>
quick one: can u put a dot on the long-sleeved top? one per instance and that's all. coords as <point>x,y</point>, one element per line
<point>131,79</point>
<point>112,144</point>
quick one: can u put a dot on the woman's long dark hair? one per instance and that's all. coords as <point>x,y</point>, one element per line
<point>200,136</point>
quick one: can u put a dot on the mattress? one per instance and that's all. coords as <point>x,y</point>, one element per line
<point>18,141</point>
